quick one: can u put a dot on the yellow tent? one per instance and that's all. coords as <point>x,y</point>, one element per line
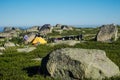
<point>39,40</point>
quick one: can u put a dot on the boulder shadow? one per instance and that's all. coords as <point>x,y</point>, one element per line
<point>33,70</point>
<point>40,70</point>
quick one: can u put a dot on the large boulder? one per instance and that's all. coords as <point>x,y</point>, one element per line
<point>9,34</point>
<point>107,33</point>
<point>13,33</point>
<point>4,35</point>
<point>8,28</point>
<point>77,64</point>
<point>30,37</point>
<point>45,29</point>
<point>9,44</point>
<point>11,28</point>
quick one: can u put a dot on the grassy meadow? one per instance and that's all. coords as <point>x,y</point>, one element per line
<point>20,66</point>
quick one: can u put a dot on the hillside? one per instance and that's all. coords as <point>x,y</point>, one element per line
<point>21,66</point>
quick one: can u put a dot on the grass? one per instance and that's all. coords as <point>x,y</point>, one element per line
<point>76,31</point>
<point>19,66</point>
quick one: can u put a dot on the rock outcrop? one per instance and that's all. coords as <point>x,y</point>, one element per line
<point>78,64</point>
<point>45,29</point>
<point>107,33</point>
<point>10,32</point>
<point>65,27</point>
<point>58,25</point>
<point>2,49</point>
<point>4,35</point>
<point>11,28</point>
<point>31,36</point>
<point>67,42</point>
<point>9,44</point>
<point>33,29</point>
<point>28,49</point>
<point>7,29</point>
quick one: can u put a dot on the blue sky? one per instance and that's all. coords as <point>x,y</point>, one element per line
<point>70,12</point>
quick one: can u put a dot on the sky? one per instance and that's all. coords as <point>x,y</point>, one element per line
<point>69,12</point>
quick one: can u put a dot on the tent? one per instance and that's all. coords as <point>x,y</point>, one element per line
<point>39,40</point>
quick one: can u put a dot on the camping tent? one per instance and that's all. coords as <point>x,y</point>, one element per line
<point>38,40</point>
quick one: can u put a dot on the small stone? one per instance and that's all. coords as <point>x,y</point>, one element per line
<point>28,49</point>
<point>9,44</point>
<point>2,48</point>
<point>1,53</point>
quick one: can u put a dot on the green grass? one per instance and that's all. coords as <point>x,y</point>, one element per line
<point>75,32</point>
<point>19,66</point>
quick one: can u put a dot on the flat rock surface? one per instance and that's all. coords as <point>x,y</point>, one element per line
<point>27,49</point>
<point>1,53</point>
<point>68,42</point>
<point>9,44</point>
<point>2,48</point>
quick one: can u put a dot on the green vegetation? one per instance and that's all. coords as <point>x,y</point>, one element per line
<point>76,31</point>
<point>20,66</point>
<point>17,40</point>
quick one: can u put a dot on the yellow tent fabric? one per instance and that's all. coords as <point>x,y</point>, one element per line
<point>39,40</point>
